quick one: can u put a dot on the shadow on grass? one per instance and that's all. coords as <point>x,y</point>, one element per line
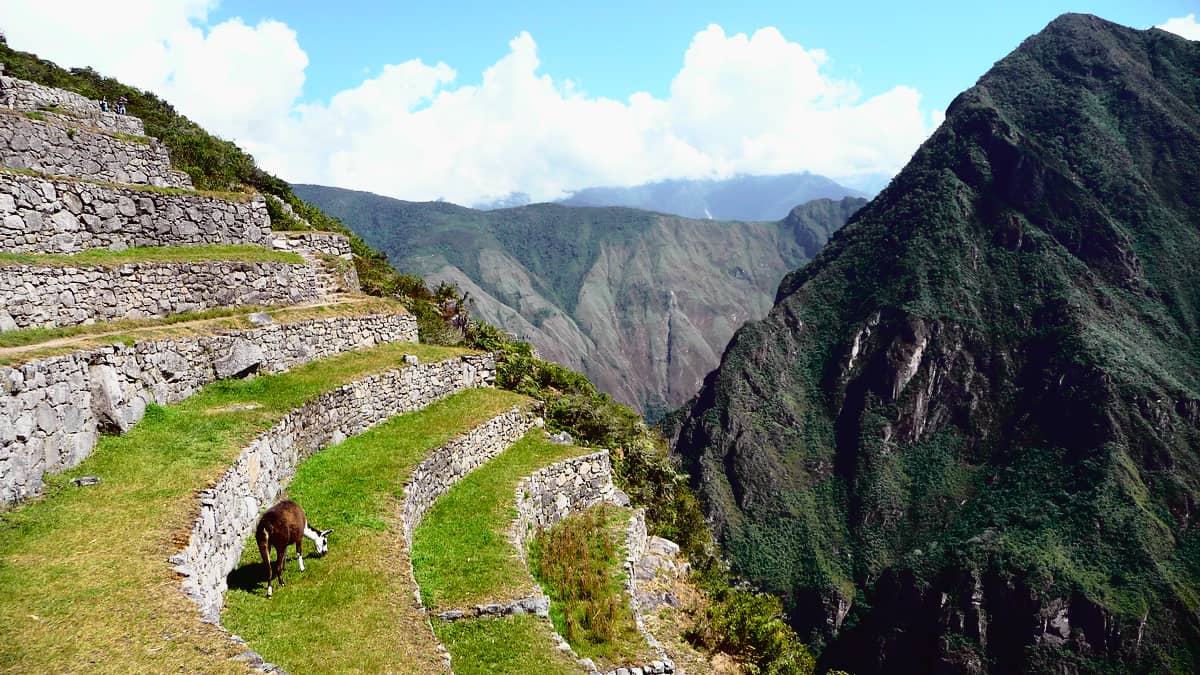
<point>249,577</point>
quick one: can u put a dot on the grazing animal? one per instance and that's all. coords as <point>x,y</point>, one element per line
<point>284,524</point>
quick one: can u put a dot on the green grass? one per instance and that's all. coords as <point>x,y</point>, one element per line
<point>352,610</point>
<point>461,552</point>
<point>515,644</point>
<point>84,581</point>
<point>211,320</point>
<point>153,254</point>
<point>579,563</point>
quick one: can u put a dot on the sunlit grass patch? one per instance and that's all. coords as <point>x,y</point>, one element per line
<point>84,579</point>
<point>461,552</point>
<point>514,644</point>
<point>353,609</point>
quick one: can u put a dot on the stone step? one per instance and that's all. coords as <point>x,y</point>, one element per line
<point>31,96</point>
<point>44,296</point>
<point>329,251</point>
<point>54,215</point>
<point>53,409</point>
<point>51,147</point>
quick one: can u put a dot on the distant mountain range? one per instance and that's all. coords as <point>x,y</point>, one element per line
<point>757,198</point>
<point>966,439</point>
<point>641,302</point>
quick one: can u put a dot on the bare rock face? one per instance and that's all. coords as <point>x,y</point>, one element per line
<point>963,440</point>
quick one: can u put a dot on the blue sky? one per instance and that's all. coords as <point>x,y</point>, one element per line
<point>473,101</point>
<point>618,47</point>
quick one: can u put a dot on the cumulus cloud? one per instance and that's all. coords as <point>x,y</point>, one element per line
<point>752,104</point>
<point>1184,26</point>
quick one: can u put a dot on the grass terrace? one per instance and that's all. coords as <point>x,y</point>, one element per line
<point>462,555</point>
<point>100,257</point>
<point>580,564</point>
<point>354,610</point>
<point>514,644</point>
<point>84,582</point>
<point>20,346</point>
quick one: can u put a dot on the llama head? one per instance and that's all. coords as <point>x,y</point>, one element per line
<point>322,541</point>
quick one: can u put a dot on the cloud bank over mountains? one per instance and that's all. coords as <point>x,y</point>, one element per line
<point>740,104</point>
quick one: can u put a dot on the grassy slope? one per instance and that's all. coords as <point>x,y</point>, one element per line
<point>153,254</point>
<point>83,572</point>
<point>353,609</point>
<point>461,552</point>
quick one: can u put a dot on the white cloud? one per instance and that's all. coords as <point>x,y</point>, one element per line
<point>739,104</point>
<point>1184,26</point>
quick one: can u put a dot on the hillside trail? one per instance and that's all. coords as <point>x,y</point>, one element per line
<point>85,337</point>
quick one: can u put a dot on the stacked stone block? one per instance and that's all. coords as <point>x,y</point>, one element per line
<point>39,296</point>
<point>31,96</point>
<point>66,150</point>
<point>52,409</point>
<point>45,215</point>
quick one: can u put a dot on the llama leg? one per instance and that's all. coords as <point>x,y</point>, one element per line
<point>299,558</point>
<point>281,558</point>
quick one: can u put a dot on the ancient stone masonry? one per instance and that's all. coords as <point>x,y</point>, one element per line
<point>35,97</point>
<point>65,150</point>
<point>44,215</point>
<point>38,296</point>
<point>229,510</point>
<point>449,464</point>
<point>550,494</point>
<point>327,251</point>
<point>328,243</point>
<point>52,410</point>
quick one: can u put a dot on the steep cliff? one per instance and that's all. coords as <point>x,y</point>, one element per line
<point>641,302</point>
<point>965,437</point>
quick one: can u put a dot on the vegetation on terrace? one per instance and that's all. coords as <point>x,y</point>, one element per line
<point>579,563</point>
<point>68,598</point>
<point>512,644</point>
<point>353,610</point>
<point>99,257</point>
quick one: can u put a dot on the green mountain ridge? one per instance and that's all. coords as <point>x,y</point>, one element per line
<point>965,438</point>
<point>641,302</point>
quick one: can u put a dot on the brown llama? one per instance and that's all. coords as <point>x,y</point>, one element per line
<point>281,525</point>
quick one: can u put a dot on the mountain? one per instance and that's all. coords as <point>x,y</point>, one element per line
<point>741,198</point>
<point>641,302</point>
<point>966,438</point>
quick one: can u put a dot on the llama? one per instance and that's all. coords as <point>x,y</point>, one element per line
<point>281,525</point>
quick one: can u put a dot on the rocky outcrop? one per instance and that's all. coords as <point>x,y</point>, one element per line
<point>78,152</point>
<point>38,296</point>
<point>49,215</point>
<point>229,510</point>
<point>52,410</point>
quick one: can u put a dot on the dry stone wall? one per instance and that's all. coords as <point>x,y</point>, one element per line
<point>52,410</point>
<point>44,215</point>
<point>449,464</point>
<point>328,243</point>
<point>36,296</point>
<point>35,97</point>
<point>552,493</point>
<point>65,150</point>
<point>229,510</point>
